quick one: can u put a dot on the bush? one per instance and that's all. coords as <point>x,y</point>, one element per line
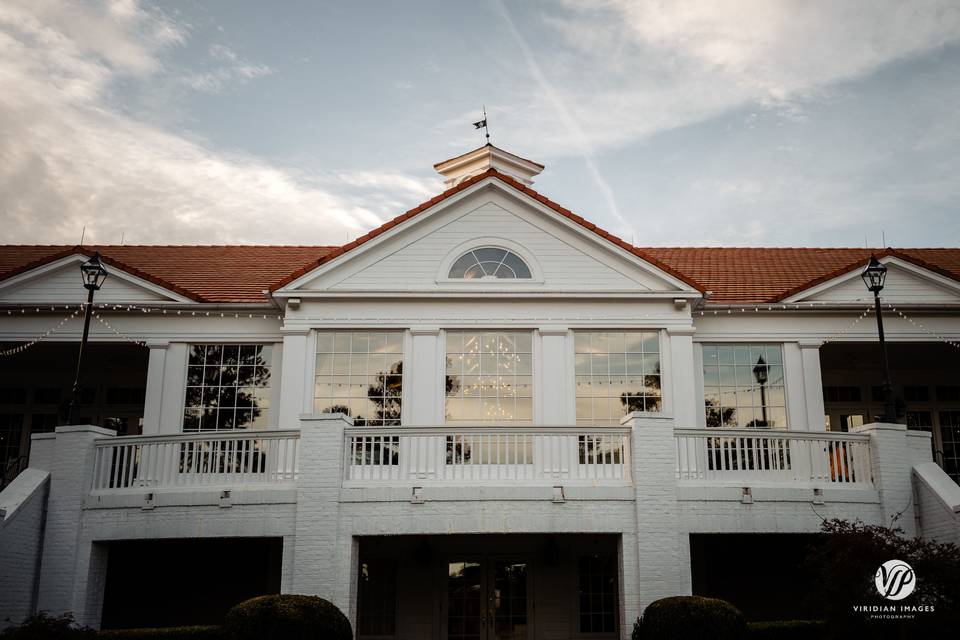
<point>682,617</point>
<point>844,563</point>
<point>786,630</point>
<point>168,633</point>
<point>287,617</point>
<point>44,627</point>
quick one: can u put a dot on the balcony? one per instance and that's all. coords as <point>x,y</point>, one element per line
<point>532,455</point>
<point>796,458</point>
<point>475,455</point>
<point>195,460</point>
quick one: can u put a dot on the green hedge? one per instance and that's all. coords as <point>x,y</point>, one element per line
<point>786,630</point>
<point>287,617</point>
<point>167,633</point>
<point>682,617</point>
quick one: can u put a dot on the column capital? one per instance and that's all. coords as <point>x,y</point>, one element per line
<point>294,331</point>
<point>425,330</point>
<point>327,417</point>
<point>681,331</point>
<point>809,344</point>
<point>157,344</point>
<point>553,330</point>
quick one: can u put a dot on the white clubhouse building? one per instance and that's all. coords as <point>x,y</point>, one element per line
<point>486,419</point>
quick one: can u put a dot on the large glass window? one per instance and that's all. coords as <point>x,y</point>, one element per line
<point>617,372</point>
<point>489,377</point>
<point>377,598</point>
<point>360,373</point>
<point>743,385</point>
<point>228,387</point>
<point>597,591</point>
<point>489,262</point>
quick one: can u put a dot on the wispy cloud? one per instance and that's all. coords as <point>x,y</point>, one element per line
<point>227,68</point>
<point>631,68</point>
<point>68,158</point>
<point>558,102</point>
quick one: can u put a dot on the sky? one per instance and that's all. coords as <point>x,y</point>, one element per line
<point>669,123</point>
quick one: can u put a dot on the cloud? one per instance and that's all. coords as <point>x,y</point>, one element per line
<point>626,69</point>
<point>229,68</point>
<point>68,158</point>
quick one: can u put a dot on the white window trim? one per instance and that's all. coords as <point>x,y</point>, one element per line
<point>443,274</point>
<point>536,355</point>
<point>662,344</point>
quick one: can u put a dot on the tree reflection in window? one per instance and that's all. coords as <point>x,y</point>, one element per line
<point>228,387</point>
<point>617,372</point>
<point>360,374</point>
<point>743,386</point>
<point>489,262</point>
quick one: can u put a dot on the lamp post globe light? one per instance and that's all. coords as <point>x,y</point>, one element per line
<point>874,276</point>
<point>93,274</point>
<point>761,373</point>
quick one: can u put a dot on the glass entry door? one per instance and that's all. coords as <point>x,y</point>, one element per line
<point>488,599</point>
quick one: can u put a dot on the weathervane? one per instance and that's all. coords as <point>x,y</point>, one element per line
<point>482,124</point>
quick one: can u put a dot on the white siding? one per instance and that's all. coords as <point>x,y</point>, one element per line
<point>566,260</point>
<point>63,286</point>
<point>901,286</point>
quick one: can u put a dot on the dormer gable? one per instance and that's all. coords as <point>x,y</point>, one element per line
<point>57,281</point>
<point>409,254</point>
<point>908,282</point>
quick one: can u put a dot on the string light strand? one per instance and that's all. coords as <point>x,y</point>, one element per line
<point>23,347</point>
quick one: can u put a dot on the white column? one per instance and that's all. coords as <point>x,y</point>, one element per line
<point>293,374</point>
<point>892,456</point>
<point>683,403</point>
<point>71,570</point>
<point>174,388</point>
<point>555,393</point>
<point>424,377</point>
<point>812,387</point>
<point>323,553</point>
<point>660,569</point>
<point>153,399</point>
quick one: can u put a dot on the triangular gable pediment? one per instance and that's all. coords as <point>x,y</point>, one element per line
<point>906,283</point>
<point>58,282</point>
<point>564,255</point>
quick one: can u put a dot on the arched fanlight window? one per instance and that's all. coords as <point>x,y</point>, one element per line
<point>489,262</point>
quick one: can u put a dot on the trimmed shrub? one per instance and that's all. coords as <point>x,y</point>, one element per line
<point>287,617</point>
<point>42,626</point>
<point>166,633</point>
<point>682,617</point>
<point>786,630</point>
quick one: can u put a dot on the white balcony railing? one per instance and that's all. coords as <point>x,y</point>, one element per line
<point>487,455</point>
<point>735,456</point>
<point>196,459</point>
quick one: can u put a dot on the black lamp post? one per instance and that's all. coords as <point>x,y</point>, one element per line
<point>874,276</point>
<point>760,374</point>
<point>93,273</point>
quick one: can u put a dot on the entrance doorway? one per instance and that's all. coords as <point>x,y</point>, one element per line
<point>488,598</point>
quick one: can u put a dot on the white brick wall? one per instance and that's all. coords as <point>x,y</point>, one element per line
<point>321,523</point>
<point>22,503</point>
<point>938,499</point>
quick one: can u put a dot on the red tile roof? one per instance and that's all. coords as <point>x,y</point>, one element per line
<point>751,275</point>
<point>225,274</point>
<point>239,274</point>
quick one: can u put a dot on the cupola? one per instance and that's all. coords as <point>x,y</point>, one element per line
<point>456,170</point>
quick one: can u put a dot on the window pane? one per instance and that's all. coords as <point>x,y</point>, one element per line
<point>497,376</point>
<point>491,262</point>
<point>377,597</point>
<point>733,396</point>
<point>363,378</point>
<point>597,593</point>
<point>617,372</point>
